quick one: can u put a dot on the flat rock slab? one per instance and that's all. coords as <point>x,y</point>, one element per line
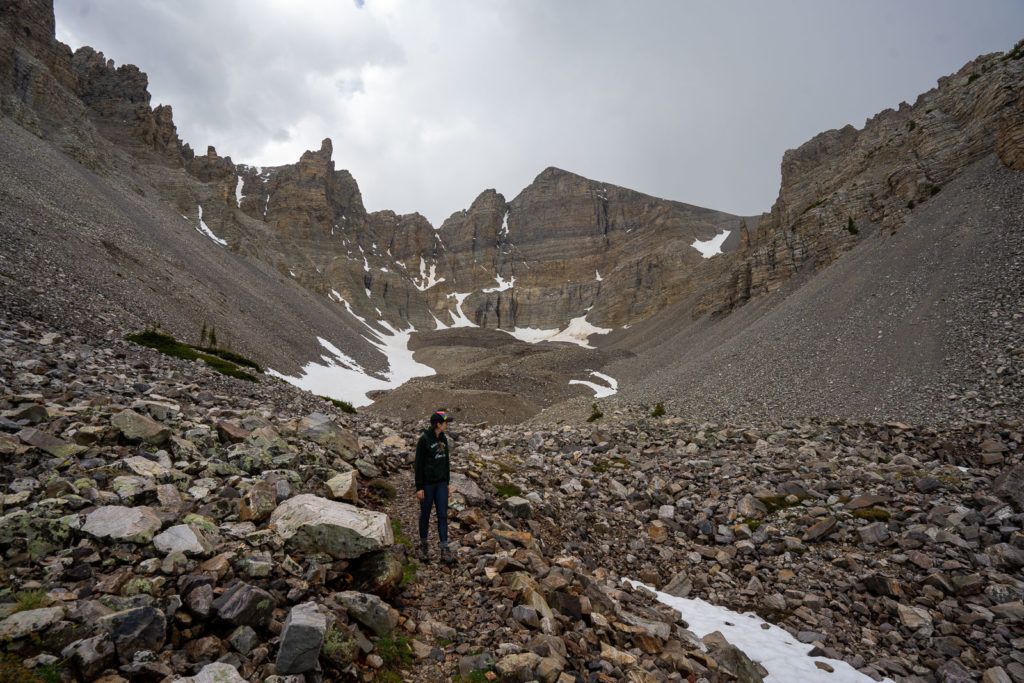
<point>820,530</point>
<point>218,672</point>
<point>183,538</point>
<point>144,467</point>
<point>121,523</point>
<point>316,525</point>
<point>136,427</point>
<point>21,624</point>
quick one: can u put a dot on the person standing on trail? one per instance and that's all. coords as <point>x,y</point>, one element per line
<point>432,478</point>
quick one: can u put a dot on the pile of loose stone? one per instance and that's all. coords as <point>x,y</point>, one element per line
<point>161,522</point>
<point>898,549</point>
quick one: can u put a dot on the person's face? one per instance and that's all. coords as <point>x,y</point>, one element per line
<point>441,426</point>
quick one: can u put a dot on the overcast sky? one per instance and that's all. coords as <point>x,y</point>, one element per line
<point>429,103</point>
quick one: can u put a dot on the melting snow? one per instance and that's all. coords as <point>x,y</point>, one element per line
<point>426,280</point>
<point>711,247</point>
<point>266,205</point>
<point>205,229</point>
<point>504,224</point>
<point>341,377</point>
<point>600,391</point>
<point>292,273</point>
<point>773,647</point>
<point>578,332</point>
<point>597,275</point>
<point>503,284</point>
<point>459,318</point>
<point>238,192</point>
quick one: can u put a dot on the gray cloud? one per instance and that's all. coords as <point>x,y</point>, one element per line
<point>429,103</point>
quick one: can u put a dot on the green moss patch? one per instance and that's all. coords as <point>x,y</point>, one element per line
<point>508,490</point>
<point>345,406</point>
<point>222,363</point>
<point>872,514</point>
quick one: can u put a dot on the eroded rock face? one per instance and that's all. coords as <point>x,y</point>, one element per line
<point>845,184</point>
<point>316,525</point>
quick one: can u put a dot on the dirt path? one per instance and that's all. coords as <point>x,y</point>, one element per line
<point>438,594</point>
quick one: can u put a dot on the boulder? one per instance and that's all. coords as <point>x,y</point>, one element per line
<point>369,610</point>
<point>120,523</point>
<point>344,486</point>
<point>316,525</point>
<point>90,656</point>
<point>1010,486</point>
<point>820,530</point>
<point>468,488</point>
<point>517,668</point>
<point>134,630</point>
<point>28,622</point>
<point>301,639</point>
<point>246,605</point>
<point>324,431</point>
<point>258,502</point>
<point>136,427</point>
<point>183,538</point>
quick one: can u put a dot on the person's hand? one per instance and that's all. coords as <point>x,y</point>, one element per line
<point>419,495</point>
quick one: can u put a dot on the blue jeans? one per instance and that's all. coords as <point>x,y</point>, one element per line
<point>435,495</point>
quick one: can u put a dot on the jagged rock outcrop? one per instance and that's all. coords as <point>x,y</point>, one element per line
<point>843,185</point>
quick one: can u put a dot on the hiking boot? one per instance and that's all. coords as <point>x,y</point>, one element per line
<point>424,552</point>
<point>446,555</point>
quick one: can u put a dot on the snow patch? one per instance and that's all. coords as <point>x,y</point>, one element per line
<point>773,647</point>
<point>238,192</point>
<point>342,377</point>
<point>597,276</point>
<point>459,318</point>
<point>204,229</point>
<point>503,284</point>
<point>504,224</point>
<point>711,247</point>
<point>426,281</point>
<point>578,332</point>
<point>600,391</point>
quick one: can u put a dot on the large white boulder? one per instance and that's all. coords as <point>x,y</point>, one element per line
<point>316,525</point>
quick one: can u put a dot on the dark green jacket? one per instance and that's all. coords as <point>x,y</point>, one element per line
<point>432,459</point>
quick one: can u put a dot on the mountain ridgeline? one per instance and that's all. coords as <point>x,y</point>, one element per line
<point>106,198</point>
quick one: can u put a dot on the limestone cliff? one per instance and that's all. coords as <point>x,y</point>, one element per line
<point>844,185</point>
<point>564,248</point>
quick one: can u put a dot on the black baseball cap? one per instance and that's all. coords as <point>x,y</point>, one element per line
<point>438,417</point>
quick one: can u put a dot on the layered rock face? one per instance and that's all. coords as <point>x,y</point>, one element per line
<point>845,184</point>
<point>565,251</point>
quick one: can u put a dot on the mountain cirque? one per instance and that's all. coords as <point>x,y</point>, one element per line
<point>160,521</point>
<point>895,548</point>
